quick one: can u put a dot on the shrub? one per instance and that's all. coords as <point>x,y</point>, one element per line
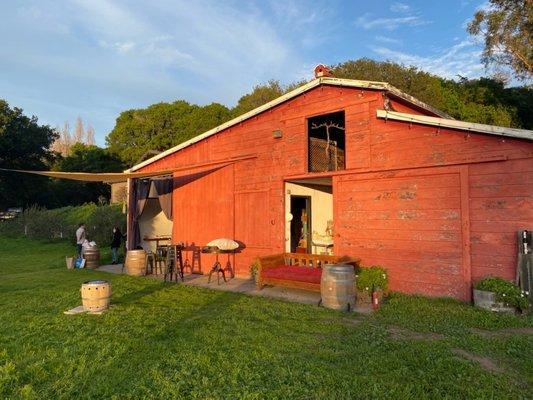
<point>101,222</point>
<point>371,279</point>
<point>254,269</point>
<point>39,223</point>
<point>505,291</point>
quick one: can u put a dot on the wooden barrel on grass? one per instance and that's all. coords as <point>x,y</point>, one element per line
<point>337,286</point>
<point>95,295</point>
<point>135,263</point>
<point>92,257</point>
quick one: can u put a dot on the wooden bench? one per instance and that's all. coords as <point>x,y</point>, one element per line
<point>295,270</point>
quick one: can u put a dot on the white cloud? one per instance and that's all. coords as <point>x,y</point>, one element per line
<point>367,21</point>
<point>460,59</point>
<point>100,57</point>
<point>400,7</point>
<point>386,39</point>
<point>165,54</point>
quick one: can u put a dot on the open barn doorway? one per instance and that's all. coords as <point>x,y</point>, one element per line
<point>153,223</point>
<point>309,216</point>
<point>300,224</point>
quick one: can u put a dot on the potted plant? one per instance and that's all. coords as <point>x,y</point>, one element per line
<point>500,295</point>
<point>253,270</point>
<point>371,282</point>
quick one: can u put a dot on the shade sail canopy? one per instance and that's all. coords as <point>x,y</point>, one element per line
<point>108,177</point>
<point>113,177</point>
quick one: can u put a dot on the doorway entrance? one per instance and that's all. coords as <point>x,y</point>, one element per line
<point>301,224</point>
<point>309,200</point>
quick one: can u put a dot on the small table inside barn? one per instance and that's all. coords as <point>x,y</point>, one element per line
<point>157,239</point>
<point>217,266</point>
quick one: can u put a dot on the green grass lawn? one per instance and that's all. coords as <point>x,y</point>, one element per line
<point>173,341</point>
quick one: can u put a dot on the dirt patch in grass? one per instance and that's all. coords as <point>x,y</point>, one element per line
<point>485,362</point>
<point>503,332</point>
<point>402,334</point>
<point>351,321</point>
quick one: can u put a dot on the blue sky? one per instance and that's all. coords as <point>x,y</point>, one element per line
<point>95,58</point>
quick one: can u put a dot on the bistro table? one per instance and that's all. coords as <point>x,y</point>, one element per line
<point>217,266</point>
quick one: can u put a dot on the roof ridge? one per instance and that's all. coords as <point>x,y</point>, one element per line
<point>355,83</point>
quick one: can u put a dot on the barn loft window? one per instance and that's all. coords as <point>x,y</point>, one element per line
<point>326,142</point>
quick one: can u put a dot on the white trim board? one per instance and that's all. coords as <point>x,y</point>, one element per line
<point>454,124</point>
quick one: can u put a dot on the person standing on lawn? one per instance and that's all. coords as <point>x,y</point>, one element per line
<point>80,237</point>
<point>115,244</point>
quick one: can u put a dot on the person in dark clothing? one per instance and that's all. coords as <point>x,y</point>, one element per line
<point>115,243</point>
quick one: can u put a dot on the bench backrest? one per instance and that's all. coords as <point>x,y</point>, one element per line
<point>309,260</point>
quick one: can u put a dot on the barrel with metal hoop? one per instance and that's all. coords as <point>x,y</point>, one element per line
<point>135,263</point>
<point>337,286</point>
<point>95,295</point>
<point>92,257</point>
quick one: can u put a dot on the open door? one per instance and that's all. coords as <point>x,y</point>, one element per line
<point>301,229</point>
<point>309,200</point>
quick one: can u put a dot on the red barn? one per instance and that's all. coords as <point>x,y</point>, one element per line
<point>357,168</point>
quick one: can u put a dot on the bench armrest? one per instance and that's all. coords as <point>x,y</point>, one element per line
<point>271,261</point>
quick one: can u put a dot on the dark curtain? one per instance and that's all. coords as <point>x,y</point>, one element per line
<point>164,189</point>
<point>141,189</point>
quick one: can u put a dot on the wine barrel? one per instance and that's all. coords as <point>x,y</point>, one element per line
<point>135,263</point>
<point>95,295</point>
<point>92,257</point>
<point>337,286</point>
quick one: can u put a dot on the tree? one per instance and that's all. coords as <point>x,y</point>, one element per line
<point>24,144</point>
<point>63,141</point>
<point>79,132</point>
<point>66,139</point>
<point>89,139</point>
<point>482,100</point>
<point>161,126</point>
<point>164,125</point>
<point>83,158</point>
<point>507,29</point>
<point>262,94</point>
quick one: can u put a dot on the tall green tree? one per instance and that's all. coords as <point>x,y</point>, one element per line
<point>506,27</point>
<point>24,144</point>
<point>162,126</point>
<point>262,94</point>
<point>484,100</point>
<point>83,158</point>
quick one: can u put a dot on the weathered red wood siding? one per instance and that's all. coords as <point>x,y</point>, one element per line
<point>198,222</point>
<point>501,203</point>
<point>409,222</point>
<point>436,207</point>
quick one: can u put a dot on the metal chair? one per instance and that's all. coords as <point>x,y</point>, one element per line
<point>150,263</point>
<point>174,264</point>
<point>160,257</point>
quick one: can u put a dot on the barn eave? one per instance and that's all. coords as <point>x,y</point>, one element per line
<point>455,124</point>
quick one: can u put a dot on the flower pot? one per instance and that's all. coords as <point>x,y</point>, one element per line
<point>363,298</point>
<point>377,298</point>
<point>487,301</point>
